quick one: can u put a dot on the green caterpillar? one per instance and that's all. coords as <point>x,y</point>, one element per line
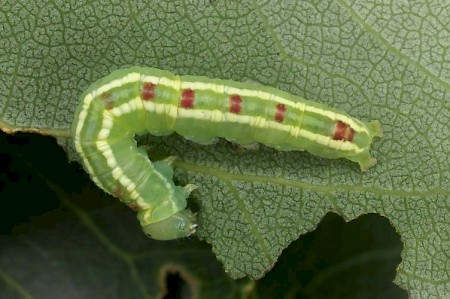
<point>147,100</point>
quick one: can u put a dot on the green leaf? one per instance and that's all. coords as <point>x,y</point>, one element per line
<point>384,60</point>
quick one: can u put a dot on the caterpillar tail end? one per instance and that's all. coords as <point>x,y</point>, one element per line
<point>364,160</point>
<point>375,129</point>
<point>179,225</point>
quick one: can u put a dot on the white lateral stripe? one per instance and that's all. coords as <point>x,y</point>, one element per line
<point>129,78</point>
<point>218,88</point>
<point>259,122</point>
<point>104,148</point>
<point>117,173</point>
<point>132,77</point>
<point>81,151</point>
<point>217,116</point>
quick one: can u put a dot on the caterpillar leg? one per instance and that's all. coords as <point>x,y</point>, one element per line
<point>189,188</point>
<point>253,146</point>
<point>239,148</point>
<point>203,140</point>
<point>164,167</point>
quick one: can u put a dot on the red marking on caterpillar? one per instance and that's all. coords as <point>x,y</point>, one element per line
<point>117,191</point>
<point>107,98</point>
<point>187,99</point>
<point>350,134</point>
<point>148,91</point>
<point>235,104</point>
<point>343,132</point>
<point>279,115</point>
<point>135,207</point>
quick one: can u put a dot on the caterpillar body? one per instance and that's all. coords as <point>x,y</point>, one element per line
<point>141,100</point>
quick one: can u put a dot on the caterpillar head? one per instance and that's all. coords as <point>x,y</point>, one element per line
<point>179,225</point>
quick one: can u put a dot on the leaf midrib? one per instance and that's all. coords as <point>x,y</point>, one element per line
<point>229,177</point>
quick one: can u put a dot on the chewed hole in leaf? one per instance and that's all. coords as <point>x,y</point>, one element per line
<point>177,283</point>
<point>357,259</point>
